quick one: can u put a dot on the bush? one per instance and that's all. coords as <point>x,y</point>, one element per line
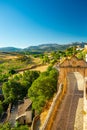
<point>12,71</point>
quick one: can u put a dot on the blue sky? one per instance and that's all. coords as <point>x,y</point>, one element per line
<point>31,22</point>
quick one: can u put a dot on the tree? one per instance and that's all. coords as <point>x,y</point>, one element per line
<point>56,55</point>
<point>12,91</point>
<point>28,78</point>
<point>12,71</point>
<point>46,59</point>
<point>7,126</point>
<point>71,51</point>
<point>3,77</point>
<point>25,58</point>
<point>17,88</point>
<point>22,127</point>
<point>43,89</point>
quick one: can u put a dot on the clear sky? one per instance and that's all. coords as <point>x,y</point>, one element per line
<point>31,22</point>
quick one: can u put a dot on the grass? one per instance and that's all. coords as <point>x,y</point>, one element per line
<point>41,68</point>
<point>14,61</point>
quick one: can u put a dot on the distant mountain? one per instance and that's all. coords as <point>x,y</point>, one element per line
<point>53,47</point>
<point>10,49</point>
<point>43,47</point>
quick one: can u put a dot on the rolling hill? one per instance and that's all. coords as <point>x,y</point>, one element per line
<point>43,47</point>
<point>9,49</point>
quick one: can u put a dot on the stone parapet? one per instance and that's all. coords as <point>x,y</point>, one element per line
<point>54,107</point>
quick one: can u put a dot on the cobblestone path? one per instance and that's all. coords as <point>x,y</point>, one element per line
<point>70,116</point>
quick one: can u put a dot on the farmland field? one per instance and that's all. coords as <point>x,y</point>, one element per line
<point>18,61</point>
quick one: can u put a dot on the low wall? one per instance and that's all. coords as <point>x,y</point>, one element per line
<point>24,69</point>
<point>54,107</point>
<point>34,121</point>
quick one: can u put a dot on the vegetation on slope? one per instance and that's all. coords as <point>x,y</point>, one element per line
<point>17,87</point>
<point>43,88</point>
<point>7,126</point>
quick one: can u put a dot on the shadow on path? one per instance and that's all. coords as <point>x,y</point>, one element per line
<point>66,115</point>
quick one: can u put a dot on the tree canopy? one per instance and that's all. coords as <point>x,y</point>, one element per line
<point>12,91</point>
<point>7,126</point>
<point>17,87</point>
<point>43,89</point>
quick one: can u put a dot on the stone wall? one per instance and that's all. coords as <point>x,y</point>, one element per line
<point>64,71</point>
<point>34,121</point>
<point>54,107</point>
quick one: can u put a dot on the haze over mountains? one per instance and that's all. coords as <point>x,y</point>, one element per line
<point>43,47</point>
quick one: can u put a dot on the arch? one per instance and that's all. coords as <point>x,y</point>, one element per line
<point>72,64</point>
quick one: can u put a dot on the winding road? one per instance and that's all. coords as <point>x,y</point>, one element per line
<point>70,114</point>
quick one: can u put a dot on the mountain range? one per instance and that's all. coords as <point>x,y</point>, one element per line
<point>43,47</point>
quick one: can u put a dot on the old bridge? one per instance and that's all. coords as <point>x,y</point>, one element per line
<point>72,114</point>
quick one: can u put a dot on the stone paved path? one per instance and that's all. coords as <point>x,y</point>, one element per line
<point>70,114</point>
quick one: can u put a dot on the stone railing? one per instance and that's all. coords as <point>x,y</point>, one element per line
<point>54,107</point>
